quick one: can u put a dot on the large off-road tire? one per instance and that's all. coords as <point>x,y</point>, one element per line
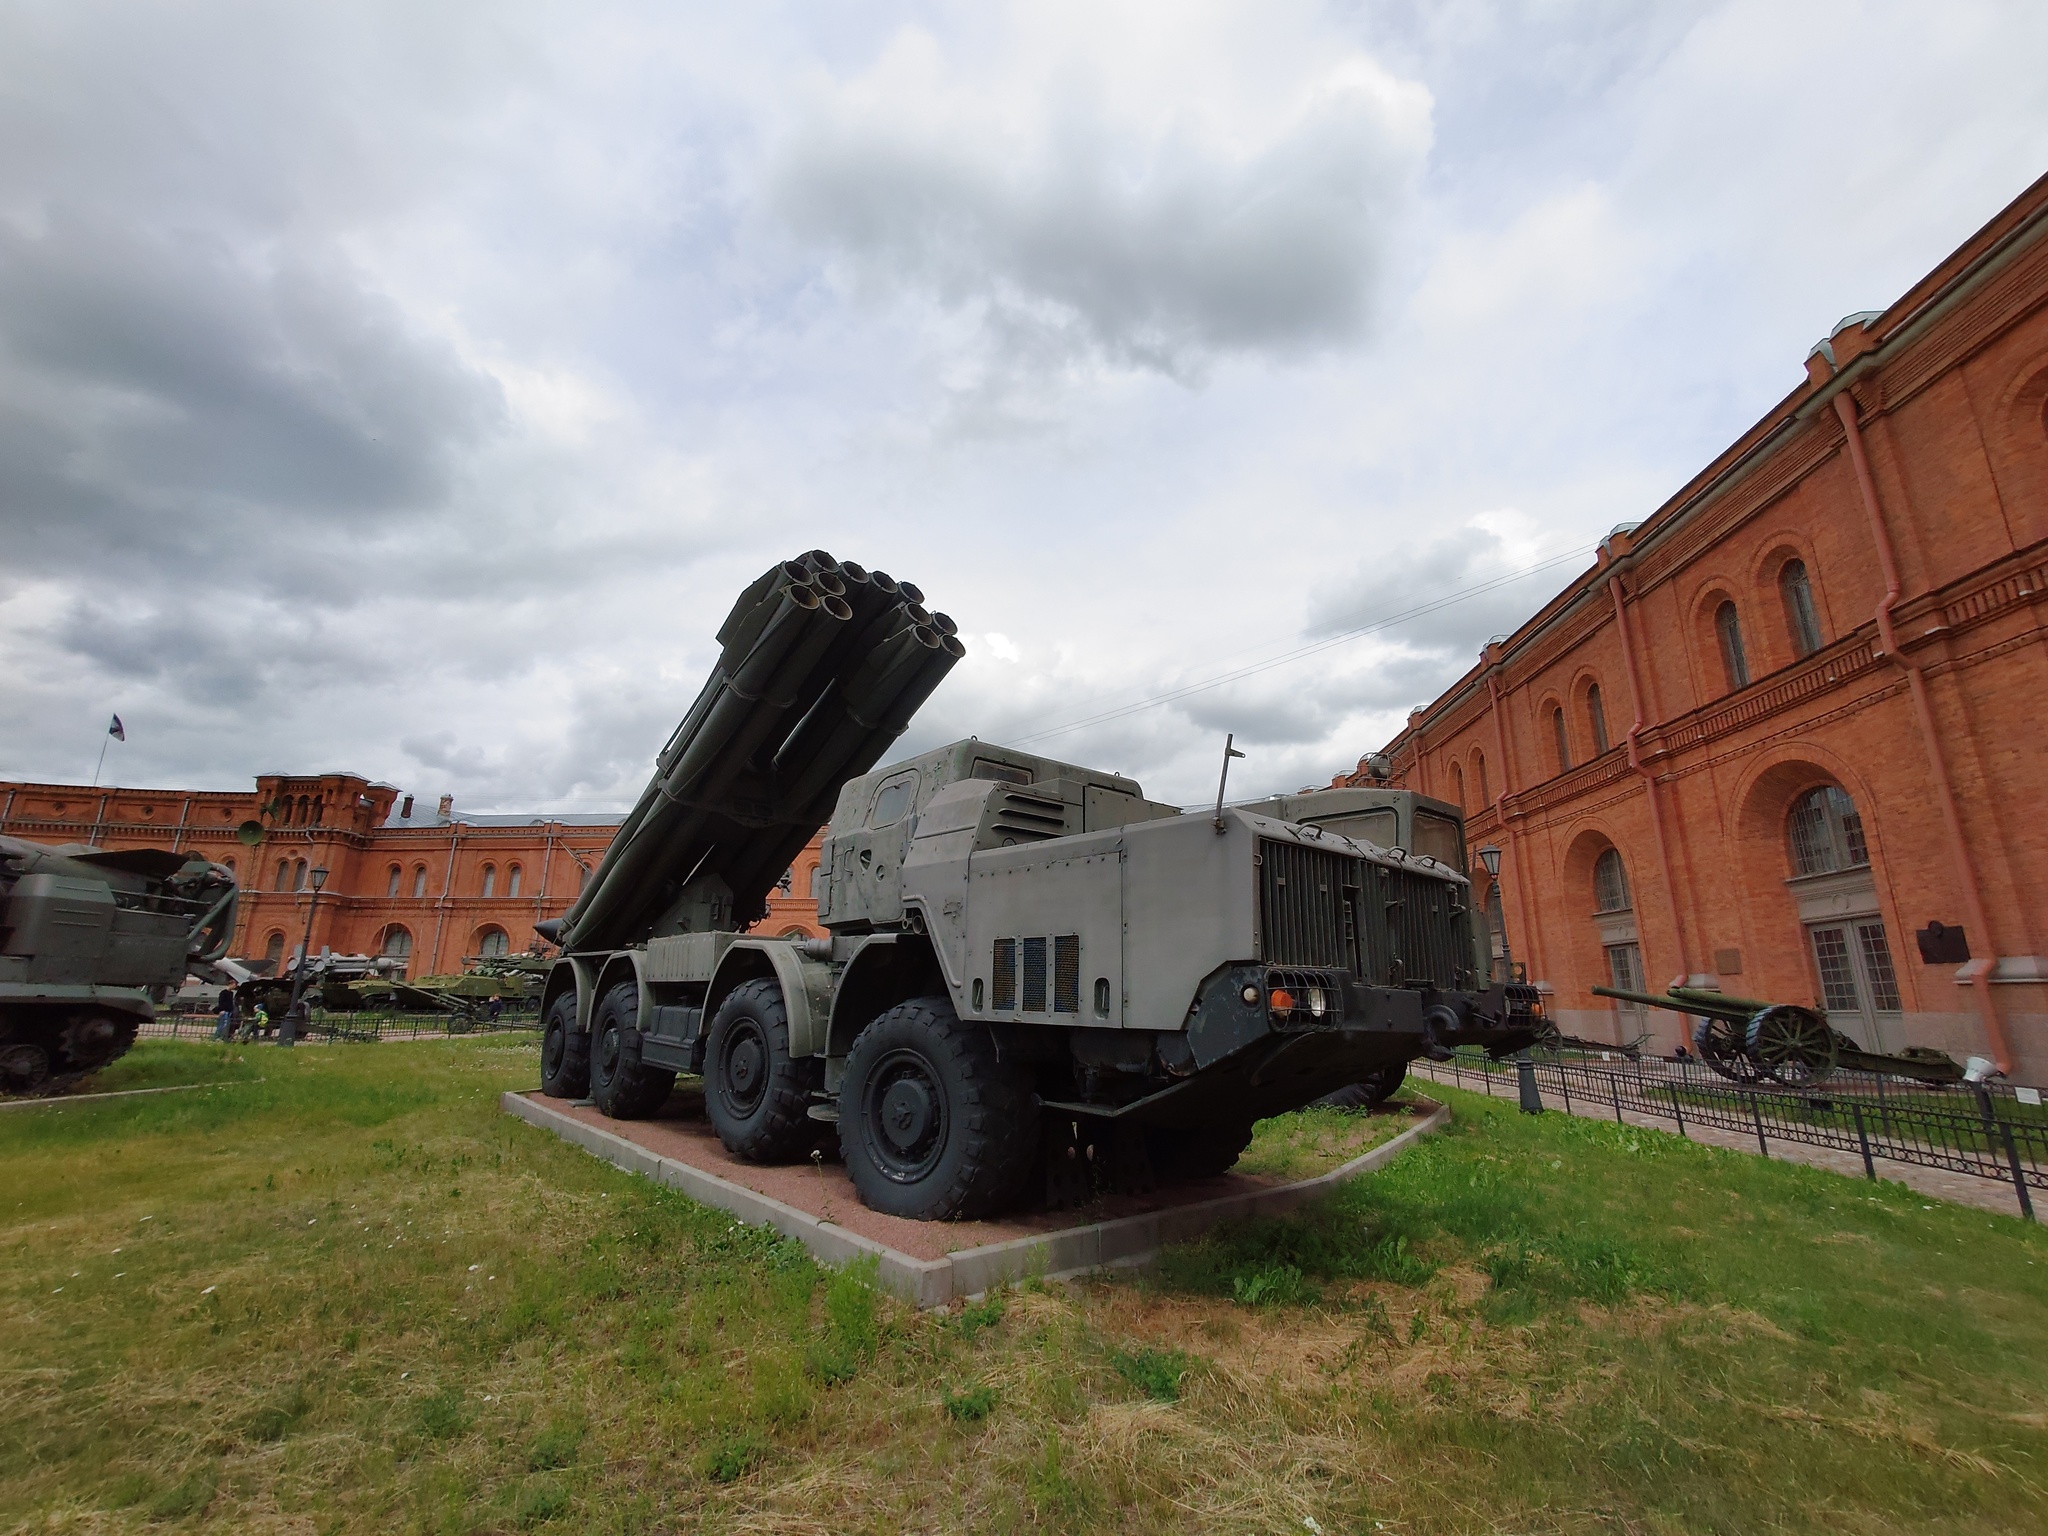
<point>564,1052</point>
<point>621,1084</point>
<point>1376,1087</point>
<point>757,1095</point>
<point>1197,1154</point>
<point>932,1124</point>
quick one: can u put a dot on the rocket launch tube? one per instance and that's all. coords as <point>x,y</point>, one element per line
<point>822,663</point>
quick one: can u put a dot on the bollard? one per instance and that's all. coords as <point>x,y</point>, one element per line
<point>1531,1095</point>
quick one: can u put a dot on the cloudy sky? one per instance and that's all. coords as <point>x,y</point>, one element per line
<point>410,389</point>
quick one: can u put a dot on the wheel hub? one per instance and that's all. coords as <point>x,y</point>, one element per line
<point>906,1113</point>
<point>745,1066</point>
<point>23,1066</point>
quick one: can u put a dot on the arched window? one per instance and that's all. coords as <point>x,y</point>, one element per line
<point>490,879</point>
<point>1564,741</point>
<point>1458,785</point>
<point>397,942</point>
<point>1802,618</point>
<point>1826,832</point>
<point>284,874</point>
<point>299,876</point>
<point>492,944</point>
<point>273,950</point>
<point>396,875</point>
<point>1728,627</point>
<point>305,811</point>
<point>319,808</point>
<point>1610,883</point>
<point>1596,718</point>
<point>810,879</point>
<point>1485,789</point>
<point>419,881</point>
<point>228,863</point>
<point>512,881</point>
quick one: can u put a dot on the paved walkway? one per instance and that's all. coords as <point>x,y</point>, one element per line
<point>1960,1188</point>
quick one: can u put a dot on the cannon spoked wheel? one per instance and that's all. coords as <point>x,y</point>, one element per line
<point>1723,1044</point>
<point>1792,1045</point>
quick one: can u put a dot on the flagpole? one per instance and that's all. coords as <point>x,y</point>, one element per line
<point>96,767</point>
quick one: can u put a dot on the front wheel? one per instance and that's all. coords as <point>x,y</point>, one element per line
<point>933,1125</point>
<point>564,1052</point>
<point>1376,1087</point>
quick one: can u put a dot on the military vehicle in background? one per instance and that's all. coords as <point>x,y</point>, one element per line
<point>91,941</point>
<point>1035,976</point>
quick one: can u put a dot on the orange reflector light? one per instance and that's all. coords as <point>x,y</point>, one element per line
<point>1282,1000</point>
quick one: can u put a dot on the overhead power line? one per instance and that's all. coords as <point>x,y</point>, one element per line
<point>1328,642</point>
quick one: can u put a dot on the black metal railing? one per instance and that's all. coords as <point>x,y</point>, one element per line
<point>1985,1130</point>
<point>353,1027</point>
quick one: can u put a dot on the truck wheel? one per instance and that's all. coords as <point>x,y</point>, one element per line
<point>757,1096</point>
<point>564,1052</point>
<point>932,1125</point>
<point>1197,1154</point>
<point>1375,1087</point>
<point>621,1084</point>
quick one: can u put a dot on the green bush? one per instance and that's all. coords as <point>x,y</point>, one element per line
<point>732,1456</point>
<point>971,1405</point>
<point>1157,1373</point>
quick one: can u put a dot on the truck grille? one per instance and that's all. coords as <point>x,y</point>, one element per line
<point>1390,927</point>
<point>1303,908</point>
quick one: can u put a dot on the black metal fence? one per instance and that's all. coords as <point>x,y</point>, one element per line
<point>354,1028</point>
<point>1987,1131</point>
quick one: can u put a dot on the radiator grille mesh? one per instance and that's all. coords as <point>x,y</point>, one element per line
<point>1066,973</point>
<point>1003,985</point>
<point>1034,976</point>
<point>1389,926</point>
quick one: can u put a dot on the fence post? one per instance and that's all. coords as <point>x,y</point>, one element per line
<point>1756,1113</point>
<point>1564,1085</point>
<point>1525,1084</point>
<point>2019,1178</point>
<point>1614,1088</point>
<point>1677,1113</point>
<point>1863,1140</point>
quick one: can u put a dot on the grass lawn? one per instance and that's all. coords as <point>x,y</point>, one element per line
<point>346,1293</point>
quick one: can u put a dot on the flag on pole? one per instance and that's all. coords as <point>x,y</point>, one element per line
<point>115,730</point>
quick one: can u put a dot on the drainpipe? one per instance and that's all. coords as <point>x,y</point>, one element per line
<point>1530,950</point>
<point>1649,776</point>
<point>547,859</point>
<point>1930,735</point>
<point>184,815</point>
<point>441,906</point>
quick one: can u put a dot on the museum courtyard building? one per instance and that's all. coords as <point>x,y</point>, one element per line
<point>1788,737</point>
<point>435,888</point>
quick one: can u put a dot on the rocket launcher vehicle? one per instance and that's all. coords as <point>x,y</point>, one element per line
<point>822,664</point>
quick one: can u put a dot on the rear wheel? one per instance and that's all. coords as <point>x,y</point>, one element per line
<point>932,1123</point>
<point>1376,1087</point>
<point>24,1067</point>
<point>1197,1154</point>
<point>564,1052</point>
<point>757,1095</point>
<point>621,1084</point>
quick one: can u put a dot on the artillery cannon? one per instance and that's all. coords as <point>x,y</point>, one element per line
<point>1747,1041</point>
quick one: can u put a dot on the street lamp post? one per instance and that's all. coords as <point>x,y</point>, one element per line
<point>1525,1070</point>
<point>1489,856</point>
<point>288,1031</point>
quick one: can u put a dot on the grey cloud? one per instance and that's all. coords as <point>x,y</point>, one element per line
<point>1399,580</point>
<point>1158,256</point>
<point>167,397</point>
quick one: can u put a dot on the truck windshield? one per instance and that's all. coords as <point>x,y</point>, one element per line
<point>1438,838</point>
<point>1379,826</point>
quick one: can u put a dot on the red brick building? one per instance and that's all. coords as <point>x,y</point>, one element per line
<point>1798,716</point>
<point>435,888</point>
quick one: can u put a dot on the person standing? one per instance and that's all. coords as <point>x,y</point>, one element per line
<point>225,1030</point>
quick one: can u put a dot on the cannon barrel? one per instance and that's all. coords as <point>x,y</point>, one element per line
<point>821,665</point>
<point>1705,1005</point>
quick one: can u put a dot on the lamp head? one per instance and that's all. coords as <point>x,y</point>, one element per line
<point>318,876</point>
<point>1490,857</point>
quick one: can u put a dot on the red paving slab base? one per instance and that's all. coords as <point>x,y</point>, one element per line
<point>929,1262</point>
